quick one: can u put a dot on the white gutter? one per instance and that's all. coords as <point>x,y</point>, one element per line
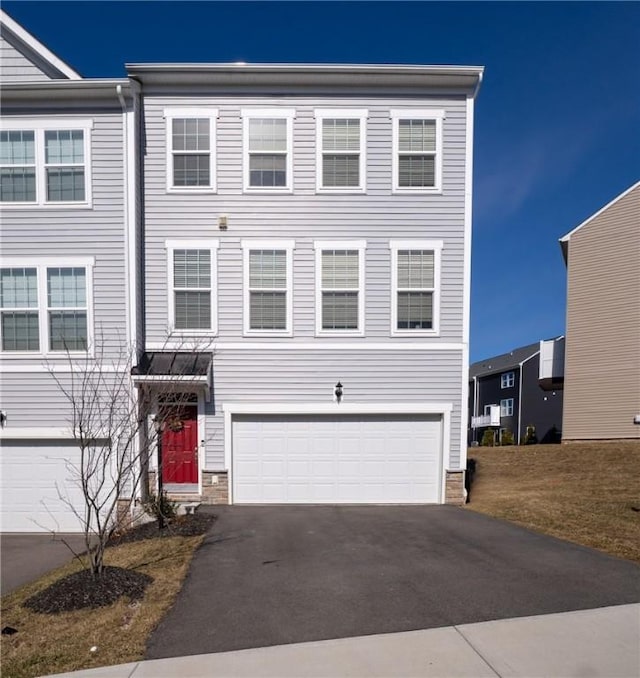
<point>125,202</point>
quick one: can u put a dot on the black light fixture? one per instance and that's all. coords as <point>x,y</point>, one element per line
<point>338,392</point>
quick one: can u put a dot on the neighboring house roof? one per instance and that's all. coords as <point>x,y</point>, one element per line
<point>503,362</point>
<point>564,241</point>
<point>34,50</point>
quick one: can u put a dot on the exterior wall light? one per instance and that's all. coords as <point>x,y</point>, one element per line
<point>338,392</point>
<point>3,418</point>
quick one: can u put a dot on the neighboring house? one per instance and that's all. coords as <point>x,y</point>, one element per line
<point>517,390</point>
<point>302,269</point>
<point>602,370</point>
<point>63,264</point>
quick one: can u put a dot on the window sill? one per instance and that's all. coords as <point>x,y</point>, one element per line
<point>335,190</point>
<point>338,333</point>
<point>46,205</point>
<point>416,191</point>
<point>184,190</point>
<point>268,333</point>
<point>415,333</point>
<point>267,191</point>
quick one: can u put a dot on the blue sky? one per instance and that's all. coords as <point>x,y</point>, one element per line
<point>557,118</point>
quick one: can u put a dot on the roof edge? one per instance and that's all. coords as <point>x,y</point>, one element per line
<point>565,238</point>
<point>41,50</point>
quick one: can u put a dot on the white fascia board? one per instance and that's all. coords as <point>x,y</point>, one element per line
<point>202,380</point>
<point>565,238</point>
<point>34,44</point>
<point>336,408</point>
<point>45,433</point>
<point>325,345</point>
<point>533,355</point>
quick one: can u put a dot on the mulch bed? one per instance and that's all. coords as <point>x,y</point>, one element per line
<point>182,526</point>
<point>81,590</point>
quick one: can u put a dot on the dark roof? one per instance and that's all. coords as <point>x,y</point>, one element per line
<point>175,364</point>
<point>503,362</point>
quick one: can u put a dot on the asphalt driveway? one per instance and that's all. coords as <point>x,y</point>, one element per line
<point>271,575</point>
<point>26,557</point>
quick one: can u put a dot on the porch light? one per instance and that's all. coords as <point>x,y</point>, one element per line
<point>338,392</point>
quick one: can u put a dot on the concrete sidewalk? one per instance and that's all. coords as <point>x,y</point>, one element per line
<point>604,642</point>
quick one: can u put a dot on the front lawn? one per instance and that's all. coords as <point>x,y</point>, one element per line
<point>54,643</point>
<point>588,493</point>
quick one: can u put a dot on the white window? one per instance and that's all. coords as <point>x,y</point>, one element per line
<point>268,148</point>
<point>507,380</point>
<point>192,271</point>
<point>45,305</point>
<point>191,142</point>
<point>415,288</point>
<point>268,280</point>
<point>506,407</point>
<point>341,158</point>
<point>340,287</point>
<point>487,410</point>
<point>45,162</point>
<point>417,150</point>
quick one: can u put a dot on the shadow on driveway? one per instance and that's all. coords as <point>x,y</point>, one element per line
<point>271,575</point>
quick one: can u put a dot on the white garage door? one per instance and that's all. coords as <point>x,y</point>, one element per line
<point>320,459</point>
<point>34,477</point>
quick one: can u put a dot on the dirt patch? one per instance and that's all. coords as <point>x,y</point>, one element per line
<point>184,526</point>
<point>82,590</point>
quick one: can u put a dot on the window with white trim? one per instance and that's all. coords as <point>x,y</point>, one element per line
<point>19,304</point>
<point>415,289</point>
<point>45,307</point>
<point>45,162</point>
<point>268,149</point>
<point>507,380</point>
<point>340,287</point>
<point>506,407</point>
<point>191,141</point>
<point>341,161</point>
<point>417,150</point>
<point>192,286</point>
<point>268,286</point>
<point>67,309</point>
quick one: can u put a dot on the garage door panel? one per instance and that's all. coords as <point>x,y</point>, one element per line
<point>38,487</point>
<point>349,459</point>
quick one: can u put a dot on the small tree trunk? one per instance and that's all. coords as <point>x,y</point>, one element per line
<point>161,522</point>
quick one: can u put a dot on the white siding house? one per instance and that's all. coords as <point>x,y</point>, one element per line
<point>308,226</point>
<point>287,247</point>
<point>63,266</point>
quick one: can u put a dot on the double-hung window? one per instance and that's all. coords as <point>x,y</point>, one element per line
<point>417,150</point>
<point>45,162</point>
<point>340,287</point>
<point>268,277</point>
<point>191,141</point>
<point>507,379</point>
<point>340,144</point>
<point>45,305</point>
<point>415,289</point>
<point>192,269</point>
<point>506,407</point>
<point>268,149</point>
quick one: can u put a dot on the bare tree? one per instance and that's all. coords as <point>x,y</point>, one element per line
<point>117,429</point>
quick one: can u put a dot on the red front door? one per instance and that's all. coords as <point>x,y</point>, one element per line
<point>180,447</point>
